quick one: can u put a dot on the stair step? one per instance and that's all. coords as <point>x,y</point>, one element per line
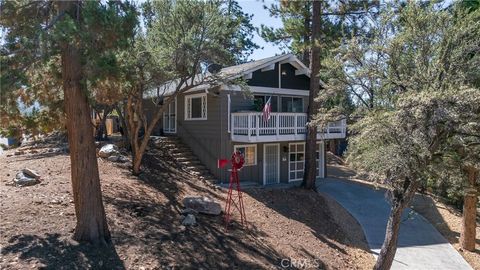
<point>191,162</point>
<point>200,173</point>
<point>174,145</point>
<point>197,167</point>
<point>185,152</point>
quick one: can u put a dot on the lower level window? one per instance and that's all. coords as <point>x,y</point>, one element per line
<point>249,152</point>
<point>296,163</point>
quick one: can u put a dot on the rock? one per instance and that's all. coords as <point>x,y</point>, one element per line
<point>118,158</point>
<point>31,173</point>
<point>19,152</point>
<point>113,158</point>
<point>181,228</point>
<point>189,211</point>
<point>123,159</point>
<point>189,220</point>
<point>108,150</point>
<point>203,205</point>
<point>23,180</point>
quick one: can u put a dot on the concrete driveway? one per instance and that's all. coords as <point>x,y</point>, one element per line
<point>420,245</point>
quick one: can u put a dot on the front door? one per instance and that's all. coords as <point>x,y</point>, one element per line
<point>271,164</point>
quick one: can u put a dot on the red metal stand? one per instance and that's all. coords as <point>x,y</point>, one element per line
<point>235,199</point>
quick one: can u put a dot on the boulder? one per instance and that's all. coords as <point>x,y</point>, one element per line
<point>24,180</point>
<point>31,173</point>
<point>188,211</point>
<point>123,159</point>
<point>117,158</point>
<point>113,158</point>
<point>108,150</point>
<point>204,205</point>
<point>189,220</point>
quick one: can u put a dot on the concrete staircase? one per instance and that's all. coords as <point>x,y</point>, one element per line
<point>182,155</point>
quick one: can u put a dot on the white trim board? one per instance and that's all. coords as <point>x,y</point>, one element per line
<point>201,96</point>
<point>269,90</point>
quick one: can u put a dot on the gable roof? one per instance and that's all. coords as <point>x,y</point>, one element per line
<point>233,72</point>
<point>249,67</point>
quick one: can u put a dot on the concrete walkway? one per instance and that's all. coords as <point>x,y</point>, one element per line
<point>420,245</point>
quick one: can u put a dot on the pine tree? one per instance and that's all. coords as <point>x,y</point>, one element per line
<point>73,36</point>
<point>431,118</point>
<point>312,39</point>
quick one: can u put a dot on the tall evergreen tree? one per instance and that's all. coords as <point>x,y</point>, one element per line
<point>431,120</point>
<point>73,35</point>
<point>311,37</point>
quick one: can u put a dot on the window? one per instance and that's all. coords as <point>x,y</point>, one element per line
<point>296,162</point>
<point>170,117</point>
<point>259,102</point>
<point>196,107</point>
<point>292,104</point>
<point>249,152</point>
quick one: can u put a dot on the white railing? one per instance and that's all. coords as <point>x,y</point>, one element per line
<point>250,126</point>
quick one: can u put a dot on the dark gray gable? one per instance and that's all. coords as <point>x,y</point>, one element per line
<point>269,78</point>
<point>292,81</point>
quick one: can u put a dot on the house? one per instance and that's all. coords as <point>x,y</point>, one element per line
<point>216,121</point>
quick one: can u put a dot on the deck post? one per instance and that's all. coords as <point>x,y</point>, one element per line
<point>295,125</point>
<point>257,125</point>
<point>248,126</point>
<point>277,123</point>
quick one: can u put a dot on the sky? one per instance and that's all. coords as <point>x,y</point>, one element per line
<point>261,16</point>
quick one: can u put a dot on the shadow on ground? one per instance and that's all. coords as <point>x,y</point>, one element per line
<point>147,219</point>
<point>309,208</point>
<point>54,252</point>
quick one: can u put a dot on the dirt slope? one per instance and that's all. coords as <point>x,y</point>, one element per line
<point>293,228</point>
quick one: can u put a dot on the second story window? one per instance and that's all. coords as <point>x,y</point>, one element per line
<point>292,104</point>
<point>259,102</point>
<point>196,107</point>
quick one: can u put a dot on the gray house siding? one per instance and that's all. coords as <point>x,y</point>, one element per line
<point>210,140</point>
<point>202,135</point>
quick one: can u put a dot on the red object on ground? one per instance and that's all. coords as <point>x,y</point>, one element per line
<point>235,200</point>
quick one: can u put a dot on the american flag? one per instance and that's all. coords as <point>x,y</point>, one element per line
<point>267,109</point>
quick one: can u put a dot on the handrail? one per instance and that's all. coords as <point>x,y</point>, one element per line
<point>251,124</point>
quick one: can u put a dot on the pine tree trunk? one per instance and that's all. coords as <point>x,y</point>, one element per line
<point>124,127</point>
<point>469,224</point>
<point>389,247</point>
<point>91,221</point>
<point>311,137</point>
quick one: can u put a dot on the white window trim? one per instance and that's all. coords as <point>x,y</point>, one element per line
<point>292,97</point>
<point>176,117</point>
<point>235,147</point>
<point>199,95</point>
<point>229,102</point>
<point>289,170</point>
<point>320,161</point>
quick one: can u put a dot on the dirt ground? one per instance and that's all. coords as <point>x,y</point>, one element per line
<point>446,219</point>
<point>288,228</point>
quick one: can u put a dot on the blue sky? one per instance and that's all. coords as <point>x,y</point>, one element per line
<point>261,16</point>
